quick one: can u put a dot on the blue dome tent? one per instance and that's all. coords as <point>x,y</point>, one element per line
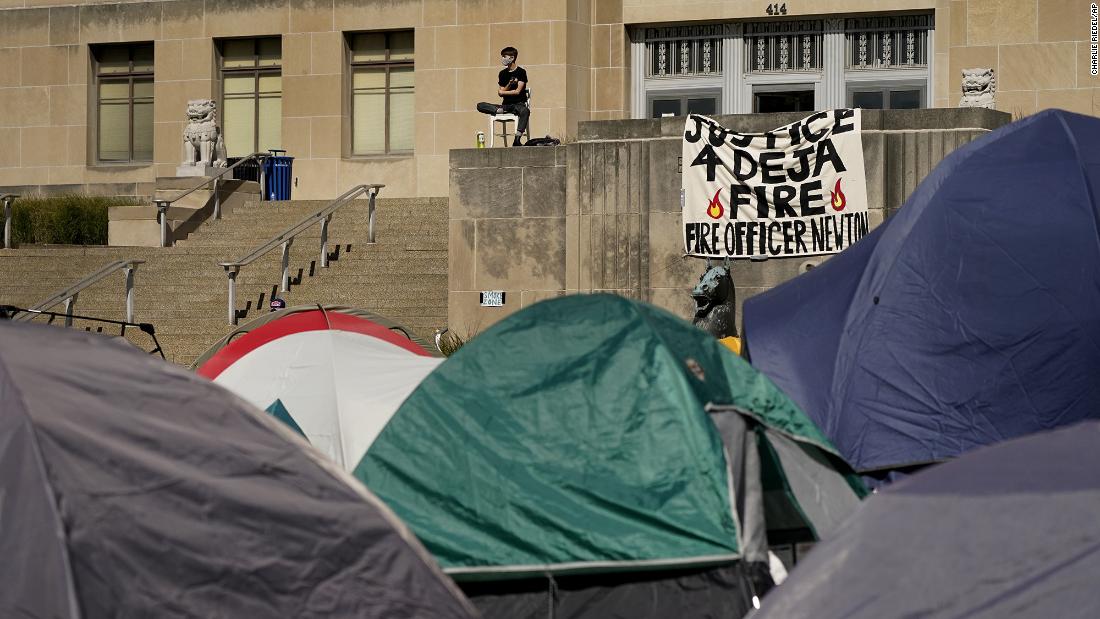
<point>968,318</point>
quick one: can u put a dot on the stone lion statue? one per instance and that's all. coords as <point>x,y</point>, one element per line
<point>978,88</point>
<point>716,302</point>
<point>202,139</point>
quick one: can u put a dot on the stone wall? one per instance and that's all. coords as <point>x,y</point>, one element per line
<point>603,214</point>
<point>574,52</point>
<point>508,216</point>
<point>1037,48</point>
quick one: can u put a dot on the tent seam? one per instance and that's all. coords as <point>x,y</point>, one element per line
<point>666,351</point>
<point>36,446</point>
<point>719,408</point>
<point>1084,181</point>
<point>360,490</point>
<point>964,154</point>
<point>550,568</point>
<point>1080,168</point>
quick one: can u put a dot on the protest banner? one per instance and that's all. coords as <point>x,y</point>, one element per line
<point>798,190</point>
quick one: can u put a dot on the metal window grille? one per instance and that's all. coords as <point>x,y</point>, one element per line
<point>779,46</point>
<point>887,42</point>
<point>684,51</point>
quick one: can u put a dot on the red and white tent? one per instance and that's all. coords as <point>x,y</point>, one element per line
<point>340,375</point>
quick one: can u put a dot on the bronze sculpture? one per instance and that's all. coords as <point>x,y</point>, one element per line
<point>716,302</point>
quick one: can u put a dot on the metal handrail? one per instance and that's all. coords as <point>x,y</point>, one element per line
<point>68,295</point>
<point>7,199</point>
<point>162,205</point>
<point>286,238</point>
<point>144,327</point>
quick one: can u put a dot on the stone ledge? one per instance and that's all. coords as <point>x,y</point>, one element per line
<point>136,213</point>
<point>225,184</point>
<point>880,120</point>
<point>523,157</point>
<point>137,190</point>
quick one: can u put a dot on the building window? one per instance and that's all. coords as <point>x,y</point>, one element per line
<point>887,42</point>
<point>675,104</point>
<point>684,51</point>
<point>124,102</point>
<point>793,45</point>
<point>887,61</point>
<point>382,92</point>
<point>683,69</point>
<point>778,65</point>
<point>252,94</point>
<point>898,97</point>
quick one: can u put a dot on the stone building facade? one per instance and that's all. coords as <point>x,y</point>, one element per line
<point>93,92</point>
<point>604,215</point>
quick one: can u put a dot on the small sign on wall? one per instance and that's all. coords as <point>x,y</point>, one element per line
<point>492,298</point>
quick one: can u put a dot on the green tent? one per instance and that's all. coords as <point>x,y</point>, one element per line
<point>278,410</point>
<point>593,435</point>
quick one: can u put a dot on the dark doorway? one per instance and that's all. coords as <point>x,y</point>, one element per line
<point>783,101</point>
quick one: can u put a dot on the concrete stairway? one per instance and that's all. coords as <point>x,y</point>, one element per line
<point>182,291</point>
<point>139,226</point>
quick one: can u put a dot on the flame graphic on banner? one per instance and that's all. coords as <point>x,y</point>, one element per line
<point>838,197</point>
<point>714,209</point>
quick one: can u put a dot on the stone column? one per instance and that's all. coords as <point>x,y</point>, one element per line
<point>929,92</point>
<point>637,73</point>
<point>733,71</point>
<point>833,50</point>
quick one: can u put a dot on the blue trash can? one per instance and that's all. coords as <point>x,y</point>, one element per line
<point>278,173</point>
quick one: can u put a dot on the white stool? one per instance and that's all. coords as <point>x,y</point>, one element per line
<point>503,119</point>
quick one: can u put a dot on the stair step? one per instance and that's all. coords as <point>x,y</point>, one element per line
<point>182,290</point>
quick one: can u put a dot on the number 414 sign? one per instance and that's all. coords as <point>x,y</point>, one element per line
<point>777,9</point>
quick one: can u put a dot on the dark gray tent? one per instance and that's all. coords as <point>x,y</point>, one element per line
<point>133,488</point>
<point>1008,531</point>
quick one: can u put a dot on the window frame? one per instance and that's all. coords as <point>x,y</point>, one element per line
<point>773,33</point>
<point>870,32</point>
<point>387,64</point>
<point>257,70</point>
<point>766,88</point>
<point>671,38</point>
<point>886,92</point>
<point>780,82</point>
<point>738,78</point>
<point>129,76</point>
<point>683,95</point>
<point>886,82</point>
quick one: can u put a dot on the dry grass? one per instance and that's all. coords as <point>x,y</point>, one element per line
<point>448,341</point>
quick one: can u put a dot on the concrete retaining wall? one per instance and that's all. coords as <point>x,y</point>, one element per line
<point>603,214</point>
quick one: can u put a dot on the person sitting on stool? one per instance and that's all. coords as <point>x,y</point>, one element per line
<point>512,82</point>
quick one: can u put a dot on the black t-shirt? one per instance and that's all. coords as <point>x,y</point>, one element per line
<point>506,76</point>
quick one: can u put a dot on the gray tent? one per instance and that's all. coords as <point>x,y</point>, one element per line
<point>132,488</point>
<point>1007,531</point>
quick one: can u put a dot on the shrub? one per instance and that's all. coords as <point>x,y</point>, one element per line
<point>449,342</point>
<point>64,220</point>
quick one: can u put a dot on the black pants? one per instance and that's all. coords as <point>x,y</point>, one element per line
<point>519,109</point>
